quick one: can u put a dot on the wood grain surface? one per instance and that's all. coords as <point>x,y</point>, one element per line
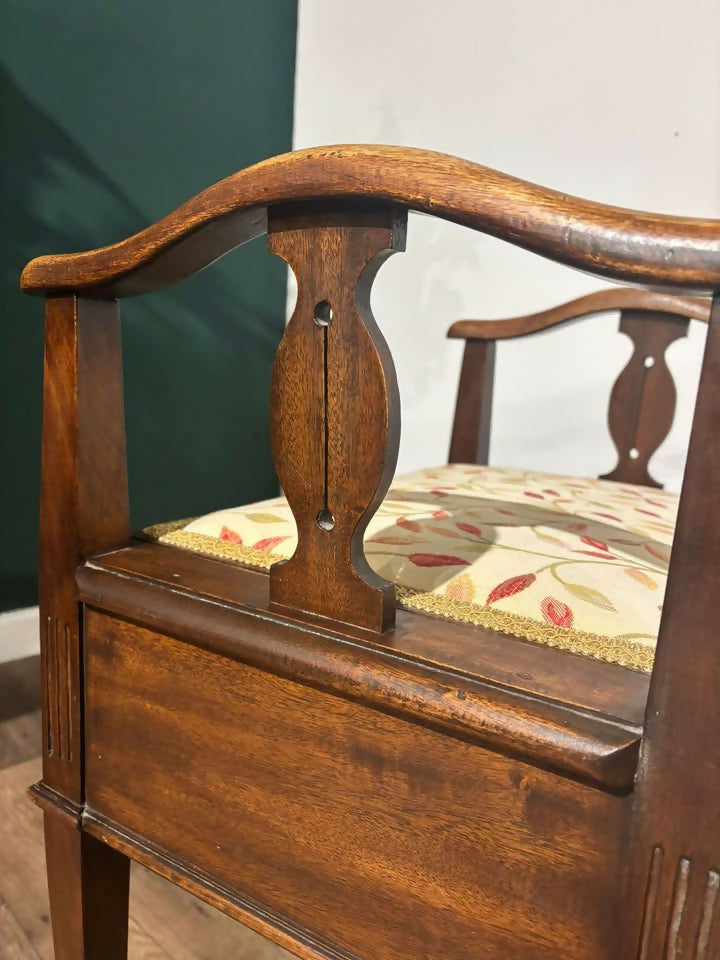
<point>625,245</point>
<point>356,833</point>
<point>586,745</point>
<point>642,401</point>
<point>165,922</point>
<point>674,856</point>
<point>334,410</point>
<point>587,685</point>
<point>602,301</point>
<point>83,505</point>
<point>470,442</point>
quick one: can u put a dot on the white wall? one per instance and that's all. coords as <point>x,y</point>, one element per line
<point>617,101</point>
<point>19,634</point>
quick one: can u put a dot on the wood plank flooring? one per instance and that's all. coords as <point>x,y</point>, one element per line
<point>165,922</point>
<point>19,712</point>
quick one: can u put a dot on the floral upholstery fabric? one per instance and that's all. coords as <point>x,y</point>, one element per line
<point>573,563</point>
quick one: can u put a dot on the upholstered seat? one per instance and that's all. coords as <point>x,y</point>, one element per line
<point>573,563</point>
<point>348,779</point>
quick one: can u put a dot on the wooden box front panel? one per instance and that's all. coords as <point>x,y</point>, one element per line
<point>383,838</point>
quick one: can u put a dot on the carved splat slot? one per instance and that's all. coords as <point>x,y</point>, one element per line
<point>678,928</point>
<point>651,902</point>
<point>680,893</point>
<point>49,685</point>
<point>710,901</point>
<point>58,689</point>
<point>323,318</point>
<point>334,409</point>
<point>69,685</point>
<point>642,403</point>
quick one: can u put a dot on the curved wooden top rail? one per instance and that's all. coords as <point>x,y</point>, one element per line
<point>602,301</point>
<point>624,245</point>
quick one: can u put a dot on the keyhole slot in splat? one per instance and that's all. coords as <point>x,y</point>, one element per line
<point>326,521</point>
<point>634,452</point>
<point>322,316</point>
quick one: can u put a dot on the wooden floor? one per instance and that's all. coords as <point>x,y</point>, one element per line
<point>19,711</point>
<point>165,922</point>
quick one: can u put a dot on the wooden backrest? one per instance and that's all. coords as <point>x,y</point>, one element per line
<point>335,213</point>
<point>642,401</point>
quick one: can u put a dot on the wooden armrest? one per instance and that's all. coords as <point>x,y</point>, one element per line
<point>602,301</point>
<point>625,245</point>
<point>642,404</point>
<point>334,214</point>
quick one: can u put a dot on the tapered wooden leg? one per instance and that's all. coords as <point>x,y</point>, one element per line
<point>89,884</point>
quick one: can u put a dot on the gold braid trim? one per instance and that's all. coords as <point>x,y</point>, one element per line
<point>158,530</point>
<point>207,546</point>
<point>623,649</point>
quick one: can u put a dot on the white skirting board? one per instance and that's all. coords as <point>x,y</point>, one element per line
<point>19,634</point>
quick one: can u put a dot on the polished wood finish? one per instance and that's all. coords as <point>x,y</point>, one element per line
<point>354,831</point>
<point>268,742</point>
<point>674,875</point>
<point>89,887</point>
<point>602,301</point>
<point>470,441</point>
<point>334,410</point>
<point>642,402</point>
<point>83,506</point>
<point>592,745</point>
<point>625,245</point>
<point>84,509</point>
<point>162,578</point>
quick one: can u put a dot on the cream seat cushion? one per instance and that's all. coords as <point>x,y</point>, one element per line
<point>572,563</point>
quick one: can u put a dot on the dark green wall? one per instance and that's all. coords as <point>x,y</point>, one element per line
<point>112,114</point>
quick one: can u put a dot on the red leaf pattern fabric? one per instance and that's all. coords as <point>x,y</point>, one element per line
<point>268,543</point>
<point>510,587</point>
<point>597,544</point>
<point>229,535</point>
<point>556,612</point>
<point>436,560</point>
<point>659,552</point>
<point>408,524</point>
<point>586,558</point>
<point>594,553</point>
<point>469,528</point>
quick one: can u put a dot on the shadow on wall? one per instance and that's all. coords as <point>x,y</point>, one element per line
<point>197,357</point>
